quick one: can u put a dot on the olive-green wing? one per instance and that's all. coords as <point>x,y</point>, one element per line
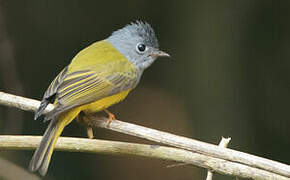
<point>85,86</point>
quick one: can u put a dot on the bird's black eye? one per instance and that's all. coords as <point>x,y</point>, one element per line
<point>141,47</point>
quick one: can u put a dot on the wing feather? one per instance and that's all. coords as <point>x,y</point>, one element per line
<point>50,93</point>
<point>88,86</point>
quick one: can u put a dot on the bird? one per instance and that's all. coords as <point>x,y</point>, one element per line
<point>98,77</point>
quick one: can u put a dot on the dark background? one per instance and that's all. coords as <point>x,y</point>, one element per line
<point>228,76</point>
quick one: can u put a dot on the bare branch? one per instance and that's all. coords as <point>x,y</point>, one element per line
<point>234,158</point>
<point>193,145</point>
<point>23,103</point>
<point>140,150</point>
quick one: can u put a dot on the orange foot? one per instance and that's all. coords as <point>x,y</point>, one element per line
<point>110,118</point>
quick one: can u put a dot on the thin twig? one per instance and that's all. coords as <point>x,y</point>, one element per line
<point>140,150</point>
<point>223,143</point>
<point>206,149</point>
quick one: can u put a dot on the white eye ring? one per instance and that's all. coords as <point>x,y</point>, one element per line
<point>141,48</point>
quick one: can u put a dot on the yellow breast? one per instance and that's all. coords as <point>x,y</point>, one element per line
<point>104,102</point>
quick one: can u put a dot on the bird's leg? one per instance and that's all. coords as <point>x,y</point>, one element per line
<point>82,118</point>
<point>90,132</point>
<point>110,118</point>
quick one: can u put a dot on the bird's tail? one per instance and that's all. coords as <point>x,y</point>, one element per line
<point>42,155</point>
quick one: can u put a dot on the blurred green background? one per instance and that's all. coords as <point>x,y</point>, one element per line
<point>228,76</point>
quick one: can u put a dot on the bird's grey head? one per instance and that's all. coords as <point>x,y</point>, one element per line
<point>138,43</point>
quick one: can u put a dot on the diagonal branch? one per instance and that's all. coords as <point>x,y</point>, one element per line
<point>209,150</point>
<point>193,145</point>
<point>140,150</point>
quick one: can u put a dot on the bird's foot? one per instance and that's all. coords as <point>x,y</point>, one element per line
<point>110,118</point>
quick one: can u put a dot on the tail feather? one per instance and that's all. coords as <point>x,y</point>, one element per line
<point>47,157</point>
<point>41,158</point>
<point>42,155</point>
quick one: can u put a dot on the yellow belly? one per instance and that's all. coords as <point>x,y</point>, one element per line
<point>68,116</point>
<point>104,103</point>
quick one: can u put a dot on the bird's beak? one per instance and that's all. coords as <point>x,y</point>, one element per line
<point>159,53</point>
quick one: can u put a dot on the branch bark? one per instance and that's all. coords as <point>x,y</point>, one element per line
<point>192,145</point>
<point>140,150</point>
<point>261,168</point>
